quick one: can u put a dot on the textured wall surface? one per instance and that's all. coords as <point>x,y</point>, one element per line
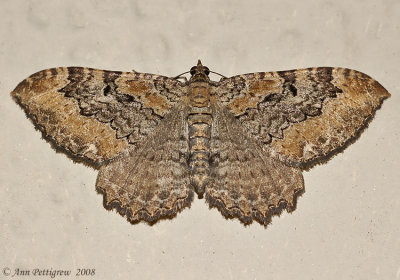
<point>346,224</point>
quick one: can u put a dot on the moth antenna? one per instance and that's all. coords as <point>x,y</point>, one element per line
<point>218,74</point>
<point>177,77</point>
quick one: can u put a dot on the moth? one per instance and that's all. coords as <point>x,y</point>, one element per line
<point>240,142</point>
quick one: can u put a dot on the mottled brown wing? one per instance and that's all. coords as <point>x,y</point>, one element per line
<point>151,182</point>
<point>95,114</point>
<point>247,183</point>
<point>303,116</point>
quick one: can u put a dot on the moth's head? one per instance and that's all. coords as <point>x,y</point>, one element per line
<point>199,73</point>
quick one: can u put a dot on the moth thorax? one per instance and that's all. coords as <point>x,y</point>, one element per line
<point>199,95</point>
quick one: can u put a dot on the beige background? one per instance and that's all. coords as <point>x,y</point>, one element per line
<point>346,225</point>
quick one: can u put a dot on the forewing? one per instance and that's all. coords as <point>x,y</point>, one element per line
<point>96,114</point>
<point>153,181</point>
<point>247,183</point>
<point>303,116</point>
